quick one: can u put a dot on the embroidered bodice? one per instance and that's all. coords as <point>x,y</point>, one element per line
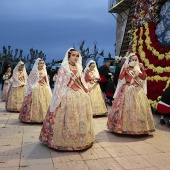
<point>42,79</point>
<point>21,76</point>
<point>129,75</point>
<point>90,77</point>
<point>75,82</point>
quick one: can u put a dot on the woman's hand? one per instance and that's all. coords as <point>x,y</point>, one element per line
<point>96,79</point>
<point>141,66</point>
<point>126,66</point>
<point>41,82</point>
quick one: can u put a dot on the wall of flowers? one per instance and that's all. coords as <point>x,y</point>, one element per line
<point>151,42</point>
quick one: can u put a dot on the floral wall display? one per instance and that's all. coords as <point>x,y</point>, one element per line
<point>151,44</point>
<point>146,11</point>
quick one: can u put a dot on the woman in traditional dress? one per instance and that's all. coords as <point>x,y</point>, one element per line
<point>163,106</point>
<point>68,123</point>
<point>17,90</point>
<point>7,77</point>
<point>55,76</point>
<point>38,94</point>
<point>92,77</point>
<point>131,112</point>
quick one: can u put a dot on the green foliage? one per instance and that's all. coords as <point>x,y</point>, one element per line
<point>7,56</point>
<point>86,53</point>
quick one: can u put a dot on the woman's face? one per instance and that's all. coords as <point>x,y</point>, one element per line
<point>21,67</point>
<point>92,66</point>
<point>134,58</point>
<point>9,69</point>
<point>41,65</point>
<point>74,57</point>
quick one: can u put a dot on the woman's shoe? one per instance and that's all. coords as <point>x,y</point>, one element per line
<point>110,102</point>
<point>162,122</point>
<point>168,123</point>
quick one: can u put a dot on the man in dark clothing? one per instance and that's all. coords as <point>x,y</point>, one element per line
<point>105,74</point>
<point>163,106</point>
<point>110,90</point>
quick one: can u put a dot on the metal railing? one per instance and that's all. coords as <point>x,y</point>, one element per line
<point>112,3</point>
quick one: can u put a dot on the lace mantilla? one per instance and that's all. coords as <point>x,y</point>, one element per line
<point>17,77</point>
<point>34,77</point>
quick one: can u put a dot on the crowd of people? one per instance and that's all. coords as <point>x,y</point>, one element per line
<point>79,95</point>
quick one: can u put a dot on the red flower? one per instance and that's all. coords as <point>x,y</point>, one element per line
<point>155,89</point>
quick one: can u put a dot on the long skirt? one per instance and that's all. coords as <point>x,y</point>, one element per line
<point>35,105</point>
<point>15,98</point>
<point>70,126</point>
<point>5,91</point>
<point>131,112</point>
<point>97,100</point>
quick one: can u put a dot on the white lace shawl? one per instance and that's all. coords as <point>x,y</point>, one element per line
<point>137,72</point>
<point>34,77</point>
<point>63,77</point>
<point>15,77</point>
<point>95,71</point>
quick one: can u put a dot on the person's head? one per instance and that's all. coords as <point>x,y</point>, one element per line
<point>92,65</point>
<point>123,60</point>
<point>73,56</point>
<point>133,60</point>
<point>40,64</point>
<point>9,69</point>
<point>21,67</point>
<point>107,63</point>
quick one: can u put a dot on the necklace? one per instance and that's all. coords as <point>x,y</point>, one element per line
<point>20,71</point>
<point>72,64</point>
<point>131,68</point>
<point>40,73</point>
<point>40,69</point>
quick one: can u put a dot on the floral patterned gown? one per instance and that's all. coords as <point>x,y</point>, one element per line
<point>16,95</point>
<point>131,112</point>
<point>96,96</point>
<point>70,126</point>
<point>35,105</point>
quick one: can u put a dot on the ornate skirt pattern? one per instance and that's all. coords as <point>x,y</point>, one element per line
<point>35,105</point>
<point>97,101</point>
<point>15,98</point>
<point>70,126</point>
<point>131,112</point>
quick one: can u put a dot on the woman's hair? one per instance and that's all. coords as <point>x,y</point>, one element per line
<point>91,63</point>
<point>56,71</point>
<point>69,53</point>
<point>131,57</point>
<point>40,61</point>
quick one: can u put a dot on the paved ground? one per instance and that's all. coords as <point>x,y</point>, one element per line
<point>20,149</point>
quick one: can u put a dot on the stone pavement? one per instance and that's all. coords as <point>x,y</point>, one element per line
<point>20,148</point>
